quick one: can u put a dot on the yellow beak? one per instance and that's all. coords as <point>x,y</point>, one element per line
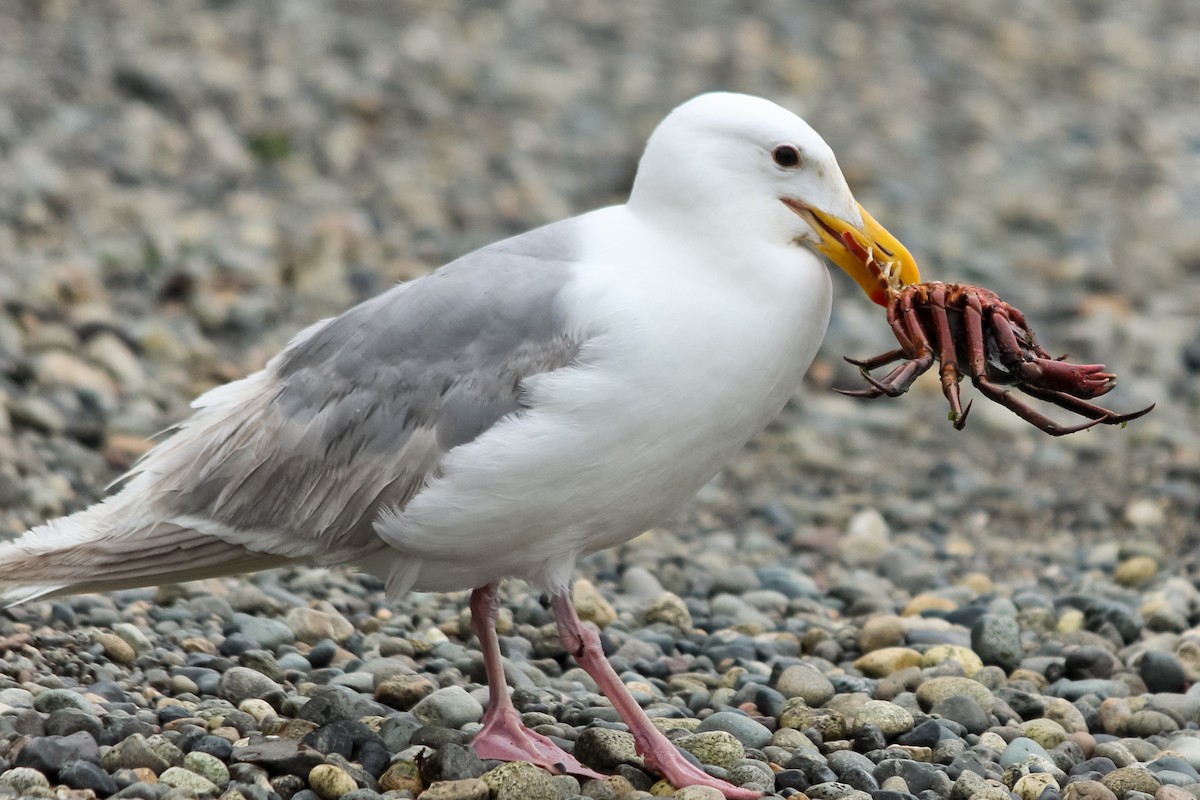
<point>870,255</point>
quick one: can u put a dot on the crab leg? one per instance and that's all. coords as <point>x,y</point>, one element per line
<point>1028,413</point>
<point>949,370</point>
<point>898,381</point>
<point>1017,318</point>
<point>1072,403</point>
<point>881,360</point>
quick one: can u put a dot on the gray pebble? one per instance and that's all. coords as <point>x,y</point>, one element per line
<point>747,731</point>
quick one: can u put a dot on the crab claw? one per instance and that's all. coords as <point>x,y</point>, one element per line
<point>1078,380</point>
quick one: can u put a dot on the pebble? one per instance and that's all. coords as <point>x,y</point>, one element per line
<point>669,608</point>
<point>239,684</point>
<point>747,731</point>
<point>270,633</point>
<point>1020,749</point>
<point>467,789</point>
<point>591,605</point>
<point>891,720</point>
<point>801,680</point>
<point>885,661</point>
<point>520,781</point>
<point>22,779</point>
<point>330,782</point>
<point>451,707</point>
<point>718,748</point>
<point>997,641</point>
<point>116,648</point>
<point>604,749</point>
<point>1131,779</point>
<point>935,690</point>
<point>180,778</point>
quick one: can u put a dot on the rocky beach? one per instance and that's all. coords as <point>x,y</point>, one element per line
<point>865,604</point>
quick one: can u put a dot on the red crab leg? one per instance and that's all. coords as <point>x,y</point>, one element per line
<point>1017,317</point>
<point>897,382</point>
<point>1063,400</point>
<point>1028,413</point>
<point>897,324</point>
<point>949,370</point>
<point>875,362</point>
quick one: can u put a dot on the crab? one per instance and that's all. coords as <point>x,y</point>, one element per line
<point>960,324</point>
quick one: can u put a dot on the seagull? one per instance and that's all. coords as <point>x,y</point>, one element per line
<point>537,400</point>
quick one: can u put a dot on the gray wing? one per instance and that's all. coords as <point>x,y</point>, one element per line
<point>295,462</point>
<point>358,412</point>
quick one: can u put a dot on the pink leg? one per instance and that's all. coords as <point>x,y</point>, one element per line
<point>660,755</point>
<point>503,736</point>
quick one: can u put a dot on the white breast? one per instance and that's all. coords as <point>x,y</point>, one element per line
<point>689,355</point>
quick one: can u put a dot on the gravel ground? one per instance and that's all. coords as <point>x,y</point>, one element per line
<point>866,601</point>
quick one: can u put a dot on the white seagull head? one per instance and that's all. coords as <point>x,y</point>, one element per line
<point>747,167</point>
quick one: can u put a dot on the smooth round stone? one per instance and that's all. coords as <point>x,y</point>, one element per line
<point>1148,722</point>
<point>1162,672</point>
<point>17,698</point>
<point>451,707</point>
<point>520,781</point>
<point>1172,778</point>
<point>1098,764</point>
<point>604,749</point>
<point>1174,764</point>
<point>669,609</point>
<point>1032,786</point>
<point>215,746</point>
<point>1088,662</point>
<point>22,779</point>
<point>1088,790</point>
<point>295,661</point>
<point>269,633</point>
<point>1131,779</point>
<point>1020,749</point>
<point>801,680</point>
<point>242,683</point>
<point>207,766</point>
<point>752,773</point>
<point>67,721</point>
<point>180,778</point>
<point>840,761</point>
<point>747,731</point>
<point>917,775</point>
<point>964,710</point>
<point>934,690</point>
<point>718,748</point>
<point>965,656</point>
<point>48,754</point>
<point>997,641</point>
<point>330,782</point>
<point>883,662</point>
<point>1047,733</point>
<point>52,700</point>
<point>86,775</point>
<point>698,793</point>
<point>889,718</point>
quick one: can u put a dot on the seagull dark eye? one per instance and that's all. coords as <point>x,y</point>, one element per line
<point>786,156</point>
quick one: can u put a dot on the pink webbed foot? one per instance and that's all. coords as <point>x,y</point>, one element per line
<point>504,738</point>
<point>679,772</point>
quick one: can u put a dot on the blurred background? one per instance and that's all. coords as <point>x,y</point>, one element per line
<point>185,184</point>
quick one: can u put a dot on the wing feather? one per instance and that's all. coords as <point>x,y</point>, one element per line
<point>352,419</point>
